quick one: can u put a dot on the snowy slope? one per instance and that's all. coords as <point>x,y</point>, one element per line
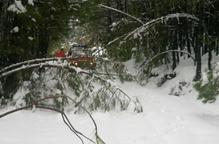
<point>166,119</point>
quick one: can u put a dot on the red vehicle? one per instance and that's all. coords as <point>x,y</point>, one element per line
<point>80,56</point>
<point>60,53</point>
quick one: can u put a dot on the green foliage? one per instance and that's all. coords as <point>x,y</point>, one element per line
<point>208,91</point>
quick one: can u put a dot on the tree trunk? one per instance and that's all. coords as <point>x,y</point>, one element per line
<point>217,46</point>
<point>187,37</point>
<point>209,58</point>
<point>198,55</point>
<point>174,47</point>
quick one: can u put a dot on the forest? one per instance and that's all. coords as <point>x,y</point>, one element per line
<point>49,21</point>
<point>156,35</point>
<point>34,28</point>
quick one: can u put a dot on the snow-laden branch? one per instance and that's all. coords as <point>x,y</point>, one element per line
<point>24,63</point>
<point>146,26</point>
<point>71,69</point>
<point>27,62</point>
<point>153,22</point>
<point>61,65</point>
<point>119,11</point>
<point>181,15</point>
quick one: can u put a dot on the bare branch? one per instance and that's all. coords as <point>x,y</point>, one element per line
<point>56,97</point>
<point>13,111</point>
<point>110,8</point>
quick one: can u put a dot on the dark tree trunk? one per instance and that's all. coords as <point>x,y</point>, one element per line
<point>217,46</point>
<point>126,6</point>
<point>180,41</point>
<point>109,19</point>
<point>187,37</point>
<point>174,47</point>
<point>209,58</point>
<point>119,5</point>
<point>43,43</point>
<point>197,49</point>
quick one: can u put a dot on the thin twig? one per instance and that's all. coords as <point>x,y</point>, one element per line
<point>72,129</point>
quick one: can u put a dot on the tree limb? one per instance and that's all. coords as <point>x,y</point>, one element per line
<point>119,11</point>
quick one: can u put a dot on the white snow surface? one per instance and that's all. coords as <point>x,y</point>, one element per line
<point>166,119</point>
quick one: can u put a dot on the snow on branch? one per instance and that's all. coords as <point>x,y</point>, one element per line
<point>57,65</point>
<point>146,26</point>
<point>28,62</point>
<point>182,15</point>
<point>116,92</point>
<point>17,7</point>
<point>119,11</point>
<point>31,2</point>
<point>153,22</point>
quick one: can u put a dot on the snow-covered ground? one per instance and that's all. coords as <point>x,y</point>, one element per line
<point>166,119</point>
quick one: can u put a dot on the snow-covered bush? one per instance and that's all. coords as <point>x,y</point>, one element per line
<point>208,87</point>
<point>182,88</point>
<point>86,90</point>
<point>158,74</point>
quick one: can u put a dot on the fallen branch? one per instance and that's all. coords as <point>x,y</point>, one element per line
<point>119,11</point>
<point>161,19</point>
<point>65,66</point>
<point>26,62</point>
<point>149,24</point>
<point>72,100</point>
<point>33,61</point>
<point>77,133</point>
<point>64,116</point>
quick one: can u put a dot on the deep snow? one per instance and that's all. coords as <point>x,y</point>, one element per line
<point>166,119</point>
